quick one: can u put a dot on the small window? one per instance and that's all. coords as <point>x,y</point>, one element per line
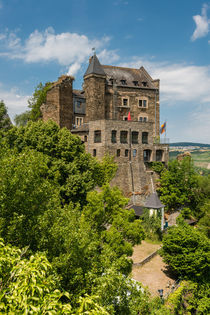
<point>123,82</point>
<point>143,119</point>
<point>134,137</point>
<point>144,83</point>
<point>136,83</point>
<point>123,136</point>
<point>144,137</point>
<point>78,121</point>
<point>134,152</point>
<point>125,117</point>
<point>125,102</point>
<point>85,138</point>
<point>94,152</point>
<point>118,152</point>
<point>126,153</point>
<point>143,103</point>
<point>97,136</point>
<point>111,81</point>
<point>114,136</point>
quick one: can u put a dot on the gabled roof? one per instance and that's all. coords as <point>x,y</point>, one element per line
<point>94,67</point>
<point>153,202</point>
<point>130,76</point>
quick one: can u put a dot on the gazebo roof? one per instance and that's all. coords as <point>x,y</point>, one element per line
<point>153,202</point>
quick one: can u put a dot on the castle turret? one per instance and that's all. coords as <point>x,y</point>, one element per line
<point>59,102</point>
<point>94,87</point>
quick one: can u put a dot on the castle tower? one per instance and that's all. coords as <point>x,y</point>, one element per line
<point>59,102</point>
<point>94,87</point>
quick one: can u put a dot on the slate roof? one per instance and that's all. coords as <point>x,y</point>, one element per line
<point>153,202</point>
<point>130,76</point>
<point>94,67</point>
<point>138,210</point>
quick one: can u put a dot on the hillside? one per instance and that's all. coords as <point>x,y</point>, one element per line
<point>189,144</point>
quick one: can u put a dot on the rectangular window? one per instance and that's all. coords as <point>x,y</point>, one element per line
<point>126,153</point>
<point>143,119</point>
<point>125,102</point>
<point>97,136</point>
<point>114,136</point>
<point>143,103</point>
<point>85,138</point>
<point>94,152</point>
<point>118,152</point>
<point>144,137</point>
<point>134,152</point>
<point>123,136</point>
<point>134,137</point>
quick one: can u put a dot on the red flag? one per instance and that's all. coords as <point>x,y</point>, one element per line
<point>129,116</point>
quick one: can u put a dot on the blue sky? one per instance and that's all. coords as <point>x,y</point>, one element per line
<point>40,40</point>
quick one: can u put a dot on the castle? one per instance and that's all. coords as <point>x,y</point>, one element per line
<point>117,112</point>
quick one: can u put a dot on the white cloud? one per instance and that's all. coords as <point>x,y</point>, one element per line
<point>198,126</point>
<point>202,24</point>
<point>68,49</point>
<point>14,101</point>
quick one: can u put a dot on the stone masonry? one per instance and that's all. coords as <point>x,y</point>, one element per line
<point>117,113</point>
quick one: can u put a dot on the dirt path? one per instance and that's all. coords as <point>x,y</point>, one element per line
<point>208,167</point>
<point>154,273</point>
<point>142,251</point>
<point>153,276</point>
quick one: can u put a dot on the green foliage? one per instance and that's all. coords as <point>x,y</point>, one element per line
<point>186,250</point>
<point>190,298</point>
<point>179,186</point>
<point>22,119</point>
<point>152,224</point>
<point>28,286</point>
<point>5,122</point>
<point>107,169</point>
<point>34,103</point>
<point>158,167</point>
<point>75,171</point>
<point>25,195</point>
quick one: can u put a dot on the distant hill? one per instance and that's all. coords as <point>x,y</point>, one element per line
<point>189,144</point>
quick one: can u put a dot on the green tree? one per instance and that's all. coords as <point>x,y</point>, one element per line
<point>29,286</point>
<point>5,122</point>
<point>179,186</point>
<point>34,104</point>
<point>186,251</point>
<point>75,171</point>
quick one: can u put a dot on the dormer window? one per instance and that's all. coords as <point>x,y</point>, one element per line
<point>136,83</point>
<point>144,83</point>
<point>123,82</point>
